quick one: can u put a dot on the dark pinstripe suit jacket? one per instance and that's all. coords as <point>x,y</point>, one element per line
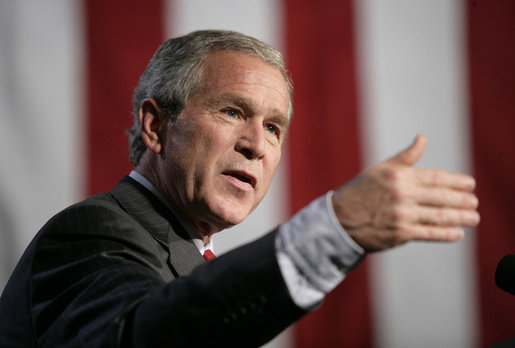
<point>118,270</point>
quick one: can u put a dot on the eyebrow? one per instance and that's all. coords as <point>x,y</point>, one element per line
<point>276,115</point>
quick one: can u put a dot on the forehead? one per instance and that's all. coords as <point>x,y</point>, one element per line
<point>242,72</point>
<point>223,62</point>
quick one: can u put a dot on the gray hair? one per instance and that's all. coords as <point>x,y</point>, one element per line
<point>176,70</point>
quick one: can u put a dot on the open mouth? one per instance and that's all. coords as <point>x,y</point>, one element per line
<point>242,176</point>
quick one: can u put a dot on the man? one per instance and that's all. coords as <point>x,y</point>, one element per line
<point>125,268</point>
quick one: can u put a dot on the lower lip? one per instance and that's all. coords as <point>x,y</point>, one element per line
<point>242,185</point>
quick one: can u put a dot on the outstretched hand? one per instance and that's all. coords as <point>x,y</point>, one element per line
<point>393,203</point>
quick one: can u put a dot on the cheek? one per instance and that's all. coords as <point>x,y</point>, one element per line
<point>193,144</point>
<point>212,154</point>
<point>270,167</point>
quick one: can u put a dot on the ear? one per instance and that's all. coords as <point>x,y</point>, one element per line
<point>153,124</point>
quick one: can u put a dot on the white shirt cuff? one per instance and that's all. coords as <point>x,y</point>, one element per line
<point>315,253</point>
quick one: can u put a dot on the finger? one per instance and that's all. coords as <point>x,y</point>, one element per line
<point>441,178</point>
<point>436,233</point>
<point>422,233</point>
<point>442,197</point>
<point>412,153</point>
<point>447,217</point>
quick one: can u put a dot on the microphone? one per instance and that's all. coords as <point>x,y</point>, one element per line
<point>505,274</point>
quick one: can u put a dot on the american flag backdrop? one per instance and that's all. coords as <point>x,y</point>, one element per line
<point>368,75</point>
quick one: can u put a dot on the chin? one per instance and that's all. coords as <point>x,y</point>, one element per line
<point>231,214</point>
<point>233,219</point>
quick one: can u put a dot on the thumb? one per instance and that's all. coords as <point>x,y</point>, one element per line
<point>412,153</point>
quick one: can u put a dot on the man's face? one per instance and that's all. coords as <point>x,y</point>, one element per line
<point>222,151</point>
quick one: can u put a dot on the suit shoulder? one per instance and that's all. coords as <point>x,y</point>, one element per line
<point>96,227</point>
<point>100,212</point>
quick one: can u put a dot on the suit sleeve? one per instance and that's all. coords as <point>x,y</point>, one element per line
<point>98,280</point>
<point>239,299</point>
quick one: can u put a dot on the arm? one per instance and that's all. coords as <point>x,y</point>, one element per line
<point>385,206</point>
<point>236,300</point>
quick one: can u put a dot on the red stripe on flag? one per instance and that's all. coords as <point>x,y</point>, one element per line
<point>491,31</point>
<point>121,38</point>
<point>324,149</point>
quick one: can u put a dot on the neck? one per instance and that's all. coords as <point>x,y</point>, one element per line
<point>203,229</point>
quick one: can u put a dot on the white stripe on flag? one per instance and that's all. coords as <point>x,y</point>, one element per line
<point>40,94</point>
<point>413,81</point>
<point>260,19</point>
<point>254,18</point>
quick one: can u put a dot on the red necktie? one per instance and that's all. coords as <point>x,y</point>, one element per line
<point>208,255</point>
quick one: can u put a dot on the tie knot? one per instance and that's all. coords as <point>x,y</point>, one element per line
<point>208,255</point>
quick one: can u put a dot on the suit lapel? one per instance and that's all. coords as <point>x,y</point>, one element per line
<point>157,219</point>
<point>184,257</point>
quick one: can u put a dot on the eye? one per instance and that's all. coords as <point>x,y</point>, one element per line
<point>231,113</point>
<point>273,129</point>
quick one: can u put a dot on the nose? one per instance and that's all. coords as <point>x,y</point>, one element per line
<point>251,141</point>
